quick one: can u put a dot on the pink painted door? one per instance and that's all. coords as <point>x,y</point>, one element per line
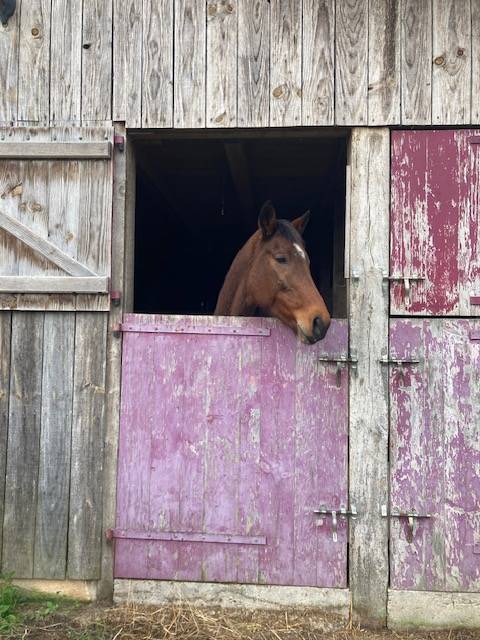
<point>435,454</point>
<point>435,230</point>
<point>232,434</point>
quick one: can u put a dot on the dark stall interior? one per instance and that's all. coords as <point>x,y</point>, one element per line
<point>197,202</point>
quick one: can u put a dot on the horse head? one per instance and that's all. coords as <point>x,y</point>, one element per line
<point>271,275</point>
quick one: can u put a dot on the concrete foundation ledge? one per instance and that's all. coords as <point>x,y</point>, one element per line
<point>433,610</point>
<point>248,596</point>
<point>85,590</point>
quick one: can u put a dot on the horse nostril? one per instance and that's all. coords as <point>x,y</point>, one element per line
<point>319,328</point>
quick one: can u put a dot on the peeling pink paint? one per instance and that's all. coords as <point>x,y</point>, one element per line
<point>435,454</point>
<point>232,434</point>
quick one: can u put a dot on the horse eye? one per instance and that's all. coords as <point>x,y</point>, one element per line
<point>281,259</point>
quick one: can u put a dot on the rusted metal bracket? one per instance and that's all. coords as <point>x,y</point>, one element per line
<point>116,298</point>
<point>183,536</point>
<point>119,142</point>
<point>411,517</point>
<point>341,512</point>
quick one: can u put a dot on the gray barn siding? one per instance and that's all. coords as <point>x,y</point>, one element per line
<point>245,63</point>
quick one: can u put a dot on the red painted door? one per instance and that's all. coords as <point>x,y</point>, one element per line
<point>232,434</point>
<point>435,454</point>
<point>435,231</point>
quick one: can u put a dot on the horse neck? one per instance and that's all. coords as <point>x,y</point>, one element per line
<point>233,298</point>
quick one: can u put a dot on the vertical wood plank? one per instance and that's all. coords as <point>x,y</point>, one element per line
<point>128,39</point>
<point>5,341</point>
<point>85,516</point>
<point>318,62</point>
<point>384,62</point>
<point>285,63</point>
<point>475,105</point>
<point>157,83</point>
<point>51,522</point>
<point>222,31</point>
<point>369,216</point>
<point>9,51</point>
<point>66,61</point>
<point>34,62</point>
<point>253,63</point>
<point>190,64</point>
<point>452,62</point>
<point>351,62</point>
<point>416,61</point>
<point>97,61</point>
<point>23,443</point>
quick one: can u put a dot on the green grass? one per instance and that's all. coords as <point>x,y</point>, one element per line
<point>18,606</point>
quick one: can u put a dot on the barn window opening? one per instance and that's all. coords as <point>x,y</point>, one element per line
<point>197,202</point>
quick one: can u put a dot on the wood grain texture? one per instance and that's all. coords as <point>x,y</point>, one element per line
<point>23,444</point>
<point>435,222</point>
<point>96,80</point>
<point>452,62</point>
<point>384,25</point>
<point>318,62</point>
<point>53,284</point>
<point>253,63</point>
<point>128,40</point>
<point>157,84</point>
<point>435,428</point>
<point>34,62</point>
<point>351,62</point>
<point>9,48</point>
<point>55,150</point>
<point>285,63</point>
<point>369,209</point>
<point>203,453</point>
<point>416,63</point>
<point>189,64</point>
<point>221,61</point>
<point>5,342</point>
<point>51,521</point>
<point>85,510</point>
<point>66,61</point>
<point>475,105</point>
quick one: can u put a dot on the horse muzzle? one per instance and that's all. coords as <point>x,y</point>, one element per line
<point>317,332</point>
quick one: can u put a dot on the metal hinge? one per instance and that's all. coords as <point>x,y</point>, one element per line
<point>119,142</point>
<point>342,512</point>
<point>411,517</point>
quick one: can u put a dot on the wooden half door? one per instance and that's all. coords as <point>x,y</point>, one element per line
<point>232,435</point>
<point>435,230</point>
<point>435,455</point>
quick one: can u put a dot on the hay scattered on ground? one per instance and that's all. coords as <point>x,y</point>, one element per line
<point>189,623</point>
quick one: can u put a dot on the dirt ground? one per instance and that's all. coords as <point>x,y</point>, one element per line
<point>72,621</point>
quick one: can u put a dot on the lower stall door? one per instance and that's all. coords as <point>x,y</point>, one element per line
<point>232,435</point>
<point>435,455</point>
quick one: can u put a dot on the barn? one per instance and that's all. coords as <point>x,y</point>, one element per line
<point>152,451</point>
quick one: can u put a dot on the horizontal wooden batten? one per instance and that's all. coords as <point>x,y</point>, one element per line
<point>181,536</point>
<point>56,150</point>
<point>54,284</point>
<point>202,330</point>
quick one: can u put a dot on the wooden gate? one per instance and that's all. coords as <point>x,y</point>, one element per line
<point>232,435</point>
<point>435,362</point>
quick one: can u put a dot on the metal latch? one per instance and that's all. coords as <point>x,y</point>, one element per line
<point>342,512</point>
<point>341,362</point>
<point>398,362</point>
<point>411,516</point>
<point>406,279</point>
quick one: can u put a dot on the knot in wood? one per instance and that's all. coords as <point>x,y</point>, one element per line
<point>439,60</point>
<point>277,92</point>
<point>212,9</point>
<point>460,52</point>
<point>35,32</point>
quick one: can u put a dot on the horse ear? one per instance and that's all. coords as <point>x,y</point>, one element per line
<point>267,220</point>
<point>301,222</point>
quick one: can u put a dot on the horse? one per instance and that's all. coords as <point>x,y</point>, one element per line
<point>270,276</point>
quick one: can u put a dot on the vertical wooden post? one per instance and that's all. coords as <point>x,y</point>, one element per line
<point>368,313</point>
<point>114,358</point>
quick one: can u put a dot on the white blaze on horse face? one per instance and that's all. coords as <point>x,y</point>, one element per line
<point>300,251</point>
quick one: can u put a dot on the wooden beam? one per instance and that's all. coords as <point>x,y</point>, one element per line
<point>368,314</point>
<point>238,166</point>
<point>42,246</point>
<point>53,284</point>
<point>55,150</point>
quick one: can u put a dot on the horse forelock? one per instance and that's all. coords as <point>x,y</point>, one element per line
<point>288,231</point>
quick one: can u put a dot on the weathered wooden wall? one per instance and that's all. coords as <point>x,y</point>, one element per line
<point>52,399</point>
<point>241,63</point>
